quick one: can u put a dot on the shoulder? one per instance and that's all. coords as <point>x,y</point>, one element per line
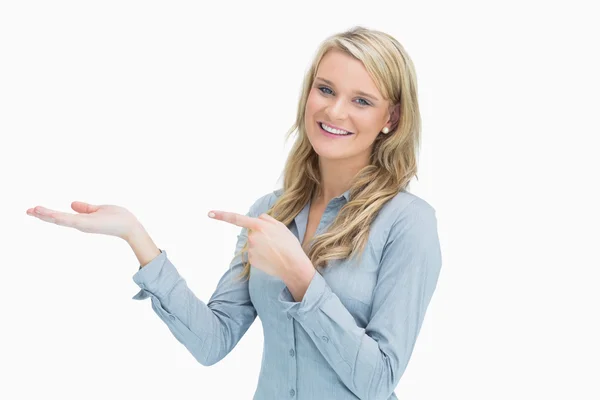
<point>411,240</point>
<point>265,202</point>
<point>406,204</point>
<point>408,215</point>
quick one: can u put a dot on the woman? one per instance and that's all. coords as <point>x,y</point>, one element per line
<point>340,264</point>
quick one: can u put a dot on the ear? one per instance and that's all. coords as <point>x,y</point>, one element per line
<point>394,116</point>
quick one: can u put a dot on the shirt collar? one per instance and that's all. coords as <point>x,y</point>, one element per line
<point>345,195</point>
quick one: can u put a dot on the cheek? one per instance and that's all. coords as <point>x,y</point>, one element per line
<point>311,105</point>
<point>316,102</point>
<point>368,121</point>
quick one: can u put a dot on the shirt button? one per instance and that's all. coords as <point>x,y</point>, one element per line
<point>325,339</point>
<point>172,317</point>
<point>289,316</point>
<point>292,352</point>
<point>292,393</point>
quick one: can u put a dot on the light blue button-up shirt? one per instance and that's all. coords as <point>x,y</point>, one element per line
<point>353,333</point>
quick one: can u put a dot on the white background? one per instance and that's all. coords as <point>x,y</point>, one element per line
<point>171,109</point>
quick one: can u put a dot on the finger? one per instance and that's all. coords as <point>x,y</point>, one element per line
<point>40,211</point>
<point>236,219</point>
<point>267,217</point>
<point>56,217</point>
<point>84,208</point>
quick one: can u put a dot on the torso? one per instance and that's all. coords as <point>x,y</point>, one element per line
<point>352,281</point>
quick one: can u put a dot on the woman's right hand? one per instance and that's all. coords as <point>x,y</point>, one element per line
<point>103,219</point>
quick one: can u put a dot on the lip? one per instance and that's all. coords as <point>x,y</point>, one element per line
<point>333,126</point>
<point>331,135</point>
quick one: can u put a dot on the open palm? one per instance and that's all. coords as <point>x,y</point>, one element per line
<point>103,219</point>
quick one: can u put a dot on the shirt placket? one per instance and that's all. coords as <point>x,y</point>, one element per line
<point>291,325</point>
<point>290,328</point>
<point>291,356</point>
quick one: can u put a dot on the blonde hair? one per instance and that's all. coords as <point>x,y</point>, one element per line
<point>393,160</point>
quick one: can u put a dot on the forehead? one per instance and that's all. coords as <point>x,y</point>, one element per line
<point>346,72</point>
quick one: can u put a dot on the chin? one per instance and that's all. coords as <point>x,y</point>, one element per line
<point>329,153</point>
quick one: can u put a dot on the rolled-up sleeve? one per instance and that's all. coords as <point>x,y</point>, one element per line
<point>371,360</point>
<point>208,330</point>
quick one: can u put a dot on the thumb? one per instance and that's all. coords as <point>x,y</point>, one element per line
<point>84,208</point>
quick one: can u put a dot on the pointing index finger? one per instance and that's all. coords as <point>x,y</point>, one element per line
<point>236,219</point>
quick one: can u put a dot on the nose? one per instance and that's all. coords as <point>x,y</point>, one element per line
<point>337,110</point>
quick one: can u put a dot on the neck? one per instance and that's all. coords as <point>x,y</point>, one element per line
<point>336,177</point>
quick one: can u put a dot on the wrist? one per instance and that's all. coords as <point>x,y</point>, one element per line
<point>298,279</point>
<point>135,233</point>
<point>142,245</point>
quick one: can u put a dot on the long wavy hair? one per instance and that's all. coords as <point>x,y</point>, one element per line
<point>393,161</point>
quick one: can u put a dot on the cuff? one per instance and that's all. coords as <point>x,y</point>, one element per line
<point>155,276</point>
<point>317,292</point>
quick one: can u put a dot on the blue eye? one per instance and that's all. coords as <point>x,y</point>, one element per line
<point>322,88</point>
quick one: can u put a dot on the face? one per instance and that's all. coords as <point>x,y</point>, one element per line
<point>344,97</point>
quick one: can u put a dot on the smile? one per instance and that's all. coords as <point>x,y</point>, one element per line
<point>331,131</point>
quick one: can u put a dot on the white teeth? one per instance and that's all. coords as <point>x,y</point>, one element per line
<point>334,131</point>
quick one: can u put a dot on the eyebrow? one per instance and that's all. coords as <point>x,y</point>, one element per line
<point>357,92</point>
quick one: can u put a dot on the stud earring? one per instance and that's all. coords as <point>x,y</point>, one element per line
<point>385,130</point>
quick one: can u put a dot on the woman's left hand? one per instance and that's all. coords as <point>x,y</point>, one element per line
<point>272,247</point>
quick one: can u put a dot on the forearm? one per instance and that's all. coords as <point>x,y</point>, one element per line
<point>369,360</point>
<point>142,245</point>
<point>208,330</point>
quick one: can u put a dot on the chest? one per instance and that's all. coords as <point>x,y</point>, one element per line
<point>314,218</point>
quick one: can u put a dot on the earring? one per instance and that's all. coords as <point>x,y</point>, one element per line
<point>385,130</point>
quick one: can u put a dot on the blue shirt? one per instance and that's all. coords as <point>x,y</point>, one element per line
<point>353,333</point>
